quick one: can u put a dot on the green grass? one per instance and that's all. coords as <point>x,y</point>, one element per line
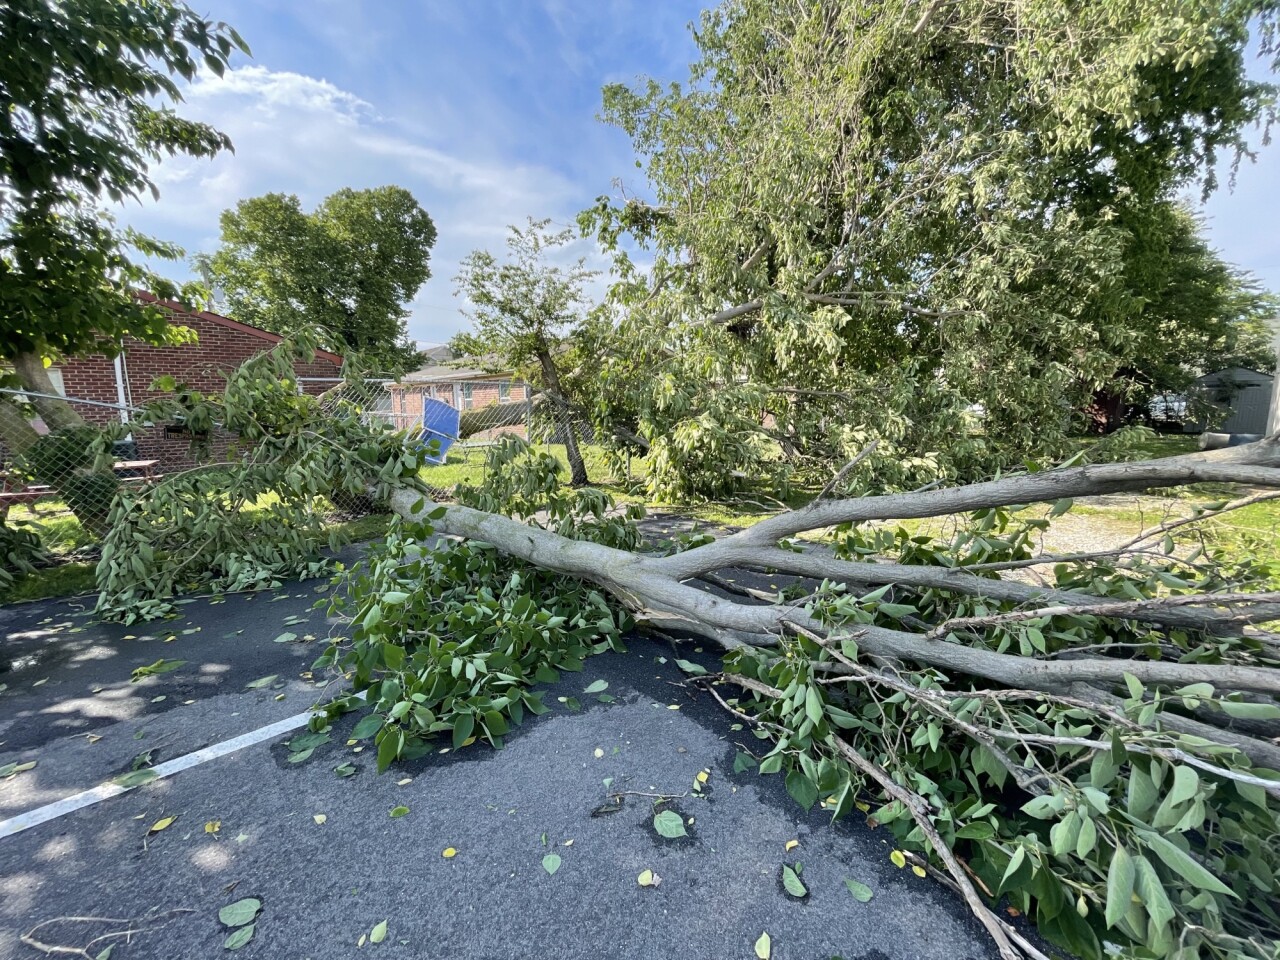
<point>64,580</point>
<point>61,534</point>
<point>1148,448</point>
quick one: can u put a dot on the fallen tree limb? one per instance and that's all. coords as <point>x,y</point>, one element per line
<point>1045,721</point>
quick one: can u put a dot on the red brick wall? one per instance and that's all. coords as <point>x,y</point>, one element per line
<point>221,346</point>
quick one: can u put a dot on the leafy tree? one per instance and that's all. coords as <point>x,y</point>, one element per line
<point>868,221</point>
<point>86,85</point>
<point>526,309</point>
<point>349,268</point>
<point>1198,313</point>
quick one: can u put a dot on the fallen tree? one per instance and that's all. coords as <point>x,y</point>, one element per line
<point>1099,754</point>
<point>1089,738</point>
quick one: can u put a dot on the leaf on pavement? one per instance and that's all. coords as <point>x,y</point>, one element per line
<point>860,891</point>
<point>135,778</point>
<point>669,824</point>
<point>162,824</point>
<point>378,933</point>
<point>239,913</point>
<point>238,938</point>
<point>764,946</point>
<point>791,880</point>
<point>551,863</point>
<point>397,812</point>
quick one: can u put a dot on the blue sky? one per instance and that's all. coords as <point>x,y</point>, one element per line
<point>486,110</point>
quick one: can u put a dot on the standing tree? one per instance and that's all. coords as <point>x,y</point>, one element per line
<point>904,222</point>
<point>1198,313</point>
<point>526,310</point>
<point>349,268</point>
<point>84,116</point>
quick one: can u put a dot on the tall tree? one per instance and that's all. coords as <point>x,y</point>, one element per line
<point>349,268</point>
<point>86,87</point>
<point>526,309</point>
<point>907,222</point>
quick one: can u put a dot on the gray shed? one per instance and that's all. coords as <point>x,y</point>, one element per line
<point>1245,393</point>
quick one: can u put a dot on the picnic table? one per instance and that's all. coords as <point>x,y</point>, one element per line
<point>13,490</point>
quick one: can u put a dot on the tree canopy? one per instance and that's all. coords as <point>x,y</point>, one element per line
<point>911,223</point>
<point>349,268</point>
<point>527,309</point>
<point>87,86</point>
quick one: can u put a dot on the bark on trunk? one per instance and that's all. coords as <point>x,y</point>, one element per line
<point>15,432</point>
<point>54,411</point>
<point>551,376</point>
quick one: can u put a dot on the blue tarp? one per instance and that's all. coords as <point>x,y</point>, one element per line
<point>439,423</point>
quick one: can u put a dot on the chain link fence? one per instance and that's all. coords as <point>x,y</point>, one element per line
<point>49,477</point>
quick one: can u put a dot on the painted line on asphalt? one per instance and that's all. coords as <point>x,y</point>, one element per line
<point>87,798</point>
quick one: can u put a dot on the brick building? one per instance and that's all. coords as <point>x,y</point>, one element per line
<point>222,345</point>
<point>465,386</point>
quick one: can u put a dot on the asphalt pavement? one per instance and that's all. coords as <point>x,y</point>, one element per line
<point>463,873</point>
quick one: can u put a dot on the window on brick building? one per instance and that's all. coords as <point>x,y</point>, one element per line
<point>468,398</point>
<point>504,392</point>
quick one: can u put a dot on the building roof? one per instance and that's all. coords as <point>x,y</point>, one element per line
<point>236,325</point>
<point>463,368</point>
<point>1235,374</point>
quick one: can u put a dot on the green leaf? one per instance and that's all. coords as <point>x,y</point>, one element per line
<point>462,727</point>
<point>858,890</point>
<point>1185,784</point>
<point>802,789</point>
<point>813,705</point>
<point>978,830</point>
<point>286,638</point>
<point>135,778</point>
<point>378,933</point>
<point>689,667</point>
<point>1151,891</point>
<point>1181,863</point>
<point>154,669</point>
<point>1120,877</point>
<point>369,725</point>
<point>263,681</point>
<point>743,761</point>
<point>398,812</point>
<point>238,938</point>
<point>239,913</point>
<point>763,947</point>
<point>791,880</point>
<point>1134,685</point>
<point>669,824</point>
<point>1043,807</point>
<point>597,686</point>
<point>1250,711</point>
<point>551,863</point>
<point>345,770</point>
<point>1015,862</point>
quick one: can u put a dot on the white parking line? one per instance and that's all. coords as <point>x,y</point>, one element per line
<point>60,808</point>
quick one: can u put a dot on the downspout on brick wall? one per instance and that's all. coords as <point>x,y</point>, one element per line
<point>121,396</point>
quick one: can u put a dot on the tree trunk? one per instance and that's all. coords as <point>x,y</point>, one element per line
<point>551,376</point>
<point>88,493</point>
<point>54,411</point>
<point>16,433</point>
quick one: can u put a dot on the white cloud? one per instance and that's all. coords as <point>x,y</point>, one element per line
<point>300,134</point>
